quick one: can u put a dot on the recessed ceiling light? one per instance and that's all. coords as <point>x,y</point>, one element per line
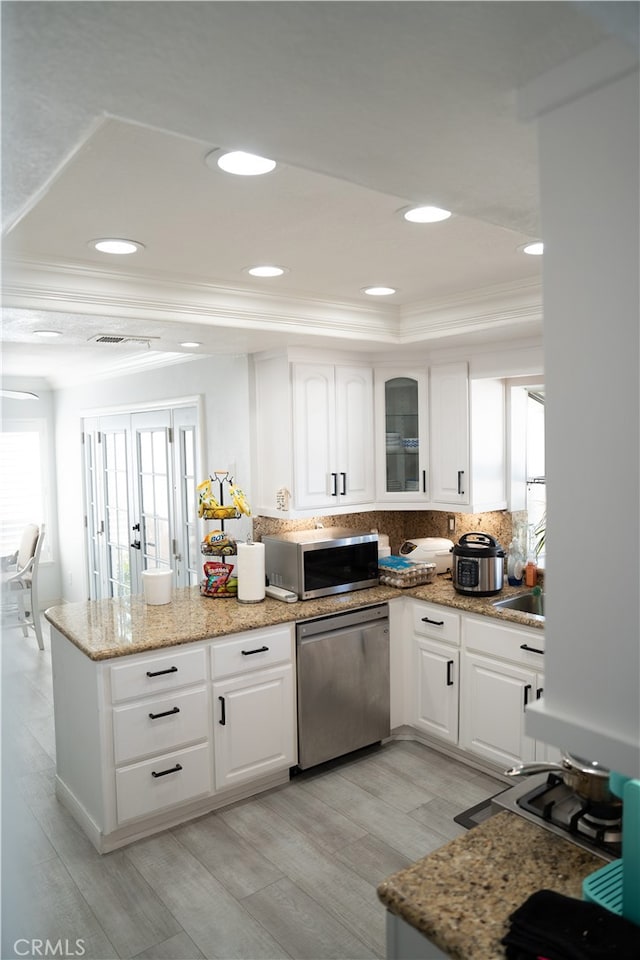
<point>266,271</point>
<point>241,163</point>
<point>191,343</point>
<point>426,214</point>
<point>19,395</point>
<point>379,291</point>
<point>47,333</point>
<point>116,245</point>
<point>535,249</point>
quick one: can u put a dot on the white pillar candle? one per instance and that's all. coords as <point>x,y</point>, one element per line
<point>251,577</point>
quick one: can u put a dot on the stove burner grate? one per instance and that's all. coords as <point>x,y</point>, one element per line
<point>555,802</point>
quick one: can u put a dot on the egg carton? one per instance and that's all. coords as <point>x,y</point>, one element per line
<point>399,572</point>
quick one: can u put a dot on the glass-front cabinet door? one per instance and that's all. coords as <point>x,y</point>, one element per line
<point>403,470</point>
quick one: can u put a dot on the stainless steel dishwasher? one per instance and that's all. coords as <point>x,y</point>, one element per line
<point>343,683</point>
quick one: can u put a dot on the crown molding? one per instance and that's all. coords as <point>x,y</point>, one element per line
<point>73,288</point>
<point>503,305</point>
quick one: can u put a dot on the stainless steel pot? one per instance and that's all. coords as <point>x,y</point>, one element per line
<point>585,777</point>
<point>478,565</point>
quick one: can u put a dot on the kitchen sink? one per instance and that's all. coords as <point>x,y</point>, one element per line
<point>526,603</point>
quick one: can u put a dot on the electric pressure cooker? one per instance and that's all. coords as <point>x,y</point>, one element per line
<point>478,565</point>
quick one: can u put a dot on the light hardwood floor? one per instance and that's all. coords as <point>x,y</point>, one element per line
<point>291,873</point>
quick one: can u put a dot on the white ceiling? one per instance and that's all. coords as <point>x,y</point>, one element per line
<point>110,108</point>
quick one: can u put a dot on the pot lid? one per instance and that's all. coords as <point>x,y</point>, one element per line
<point>478,545</point>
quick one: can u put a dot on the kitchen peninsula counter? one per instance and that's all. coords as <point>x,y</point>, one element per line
<point>461,895</point>
<point>121,626</point>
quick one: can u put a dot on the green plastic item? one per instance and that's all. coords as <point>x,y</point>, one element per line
<point>617,885</point>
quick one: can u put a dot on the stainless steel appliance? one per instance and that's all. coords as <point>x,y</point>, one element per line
<point>548,800</point>
<point>343,683</point>
<point>318,563</point>
<point>478,565</point>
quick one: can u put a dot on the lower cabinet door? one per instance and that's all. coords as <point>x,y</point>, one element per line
<point>254,725</point>
<point>436,679</point>
<point>493,701</point>
<point>169,779</point>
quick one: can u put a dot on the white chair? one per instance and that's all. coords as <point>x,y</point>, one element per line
<point>23,579</point>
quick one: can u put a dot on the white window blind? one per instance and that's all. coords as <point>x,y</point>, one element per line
<point>22,487</point>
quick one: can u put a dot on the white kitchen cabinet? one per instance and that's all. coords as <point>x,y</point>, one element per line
<point>468,451</point>
<point>501,674</point>
<point>254,730</point>
<point>253,704</point>
<point>332,435</point>
<point>436,677</point>
<point>435,671</point>
<point>136,735</point>
<point>312,435</point>
<point>492,707</point>
<point>402,450</point>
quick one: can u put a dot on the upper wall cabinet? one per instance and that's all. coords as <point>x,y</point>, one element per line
<point>402,461</point>
<point>313,439</point>
<point>440,439</point>
<point>468,451</point>
<point>332,435</point>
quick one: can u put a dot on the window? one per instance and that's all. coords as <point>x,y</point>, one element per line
<point>23,492</point>
<point>536,481</point>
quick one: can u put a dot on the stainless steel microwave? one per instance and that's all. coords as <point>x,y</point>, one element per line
<point>318,563</point>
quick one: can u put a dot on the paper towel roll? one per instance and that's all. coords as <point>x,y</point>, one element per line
<point>251,579</point>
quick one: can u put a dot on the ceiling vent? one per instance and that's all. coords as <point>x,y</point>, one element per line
<point>114,338</point>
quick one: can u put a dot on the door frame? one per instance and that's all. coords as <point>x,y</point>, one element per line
<point>131,409</point>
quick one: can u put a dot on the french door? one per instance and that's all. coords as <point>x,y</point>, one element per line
<point>140,499</point>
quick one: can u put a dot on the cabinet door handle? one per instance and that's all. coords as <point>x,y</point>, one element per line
<point>449,668</point>
<point>344,484</point>
<point>460,476</point>
<point>163,773</point>
<point>525,646</point>
<point>539,692</point>
<point>167,713</point>
<point>424,481</point>
<point>527,687</point>
<point>160,673</point>
<point>335,484</point>
<point>223,714</point>
<point>247,653</point>
<point>436,623</point>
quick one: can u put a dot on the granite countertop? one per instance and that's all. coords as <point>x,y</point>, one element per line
<point>461,895</point>
<point>103,629</point>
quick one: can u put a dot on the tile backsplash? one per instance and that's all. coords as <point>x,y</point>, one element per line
<point>402,525</point>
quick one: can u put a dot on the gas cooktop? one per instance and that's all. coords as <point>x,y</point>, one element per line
<point>547,800</point>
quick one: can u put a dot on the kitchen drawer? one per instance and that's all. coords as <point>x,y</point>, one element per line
<point>151,675</point>
<point>488,636</point>
<point>179,776</point>
<point>251,651</point>
<point>436,621</point>
<point>155,726</point>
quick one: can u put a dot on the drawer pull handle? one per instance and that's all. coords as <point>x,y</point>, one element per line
<point>449,677</point>
<point>163,773</point>
<point>527,687</point>
<point>167,713</point>
<point>159,673</point>
<point>436,623</point>
<point>525,646</point>
<point>223,716</point>
<point>247,653</point>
